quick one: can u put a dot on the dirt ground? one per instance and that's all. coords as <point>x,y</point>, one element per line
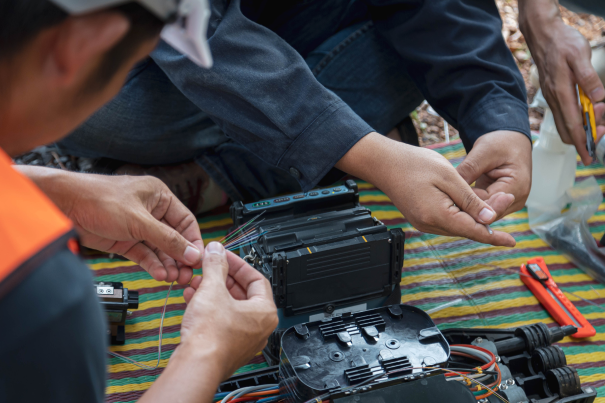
<point>430,126</point>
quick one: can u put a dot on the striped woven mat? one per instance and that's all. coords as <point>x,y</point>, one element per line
<point>437,270</point>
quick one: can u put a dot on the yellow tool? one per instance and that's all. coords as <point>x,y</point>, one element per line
<point>590,125</point>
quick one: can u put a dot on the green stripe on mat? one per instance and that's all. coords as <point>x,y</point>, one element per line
<point>209,219</point>
<point>147,318</point>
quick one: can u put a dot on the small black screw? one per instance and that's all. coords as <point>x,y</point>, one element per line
<point>329,308</point>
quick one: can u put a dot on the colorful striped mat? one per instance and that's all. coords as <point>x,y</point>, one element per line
<point>437,269</point>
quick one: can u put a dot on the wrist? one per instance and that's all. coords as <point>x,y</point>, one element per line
<point>205,357</point>
<point>510,136</point>
<point>366,159</point>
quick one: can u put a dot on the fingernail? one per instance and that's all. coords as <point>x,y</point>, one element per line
<point>597,94</point>
<point>215,247</point>
<point>192,255</point>
<point>486,214</point>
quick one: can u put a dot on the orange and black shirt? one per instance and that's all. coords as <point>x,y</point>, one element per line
<point>52,330</point>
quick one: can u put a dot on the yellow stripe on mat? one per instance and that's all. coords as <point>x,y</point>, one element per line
<point>112,265</point>
<point>133,387</point>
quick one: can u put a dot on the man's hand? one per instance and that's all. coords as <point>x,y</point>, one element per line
<point>136,217</point>
<point>500,162</point>
<point>231,308</point>
<point>229,316</point>
<point>562,56</point>
<point>427,189</point>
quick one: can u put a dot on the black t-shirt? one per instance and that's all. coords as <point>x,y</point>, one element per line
<point>53,336</point>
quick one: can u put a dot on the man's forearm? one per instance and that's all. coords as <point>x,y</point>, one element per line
<point>533,14</point>
<point>58,185</point>
<point>190,377</point>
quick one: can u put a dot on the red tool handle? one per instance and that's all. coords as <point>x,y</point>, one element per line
<point>562,317</point>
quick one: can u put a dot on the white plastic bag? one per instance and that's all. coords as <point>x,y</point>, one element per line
<point>568,232</point>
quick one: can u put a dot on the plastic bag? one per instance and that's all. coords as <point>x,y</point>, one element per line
<point>568,232</point>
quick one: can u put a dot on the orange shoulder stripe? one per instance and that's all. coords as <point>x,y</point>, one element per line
<point>29,221</point>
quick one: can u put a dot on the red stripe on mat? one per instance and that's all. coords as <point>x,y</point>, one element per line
<point>124,396</point>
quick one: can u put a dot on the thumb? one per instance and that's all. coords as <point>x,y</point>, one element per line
<point>215,266</point>
<point>470,169</point>
<point>466,200</point>
<point>169,241</point>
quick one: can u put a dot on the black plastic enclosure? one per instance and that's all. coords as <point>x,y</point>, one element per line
<point>301,204</point>
<point>336,353</point>
<point>335,258</point>
<point>533,369</point>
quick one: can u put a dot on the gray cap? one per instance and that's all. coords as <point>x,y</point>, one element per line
<point>163,9</point>
<point>186,33</point>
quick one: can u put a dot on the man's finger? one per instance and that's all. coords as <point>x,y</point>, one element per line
<point>196,282</point>
<point>215,266</point>
<point>587,77</point>
<point>198,243</point>
<point>472,168</point>
<point>190,291</point>
<point>169,263</point>
<point>185,274</point>
<point>463,225</point>
<point>248,278</point>
<point>174,213</point>
<point>452,221</point>
<point>167,239</point>
<point>562,97</point>
<point>236,290</point>
<point>571,121</point>
<point>501,202</point>
<point>188,294</point>
<point>260,289</point>
<point>456,222</point>
<point>466,200</point>
<point>148,260</point>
